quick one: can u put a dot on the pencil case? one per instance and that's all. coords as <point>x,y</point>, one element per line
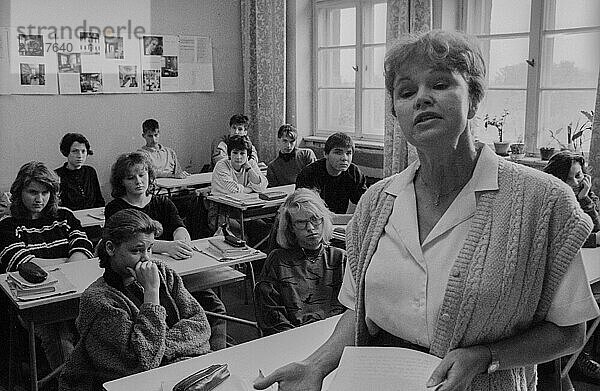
<point>205,379</point>
<point>32,273</point>
<point>272,195</point>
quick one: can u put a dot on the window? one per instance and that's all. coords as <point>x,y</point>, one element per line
<point>543,60</point>
<point>349,91</point>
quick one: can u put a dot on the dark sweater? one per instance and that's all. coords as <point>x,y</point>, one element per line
<point>284,169</point>
<point>159,208</point>
<point>350,185</point>
<point>79,189</point>
<point>21,240</point>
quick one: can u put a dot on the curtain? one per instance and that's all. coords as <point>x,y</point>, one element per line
<point>263,56</point>
<point>594,160</point>
<point>403,17</point>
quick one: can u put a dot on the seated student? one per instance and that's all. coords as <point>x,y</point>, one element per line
<point>284,169</point>
<point>131,177</point>
<point>79,187</point>
<point>238,126</point>
<point>238,174</point>
<point>164,158</point>
<point>335,177</point>
<point>300,281</point>
<point>39,230</point>
<point>138,315</point>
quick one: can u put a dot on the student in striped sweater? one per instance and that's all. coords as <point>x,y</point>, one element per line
<point>41,231</point>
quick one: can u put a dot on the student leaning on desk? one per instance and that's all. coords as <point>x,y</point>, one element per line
<point>463,254</point>
<point>138,315</point>
<point>40,231</point>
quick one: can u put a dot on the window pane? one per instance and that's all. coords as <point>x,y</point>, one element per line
<point>572,13</point>
<point>558,109</point>
<point>335,67</point>
<point>337,27</point>
<point>498,16</point>
<point>374,22</point>
<point>505,59</point>
<point>373,112</point>
<point>336,110</point>
<point>494,104</point>
<point>571,60</point>
<point>373,67</point>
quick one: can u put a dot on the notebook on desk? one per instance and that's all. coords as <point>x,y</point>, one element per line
<point>56,284</point>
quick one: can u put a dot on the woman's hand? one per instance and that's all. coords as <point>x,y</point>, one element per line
<point>459,367</point>
<point>178,249</point>
<point>146,273</point>
<point>586,185</point>
<point>297,376</point>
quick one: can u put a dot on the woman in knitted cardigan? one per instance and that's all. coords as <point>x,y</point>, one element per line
<point>463,254</point>
<point>138,315</point>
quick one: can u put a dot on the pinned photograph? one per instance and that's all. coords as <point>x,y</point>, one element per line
<point>33,74</point>
<point>153,45</point>
<point>69,62</point>
<point>169,66</point>
<point>113,48</point>
<point>128,76</point>
<point>89,43</point>
<point>31,45</point>
<point>91,82</point>
<point>151,80</point>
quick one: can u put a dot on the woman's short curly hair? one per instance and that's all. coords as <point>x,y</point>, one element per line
<point>560,164</point>
<point>123,226</point>
<point>34,172</point>
<point>308,200</point>
<point>121,169</point>
<point>68,139</point>
<point>438,49</point>
<point>240,143</point>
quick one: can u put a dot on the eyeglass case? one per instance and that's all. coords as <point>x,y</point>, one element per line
<point>205,379</point>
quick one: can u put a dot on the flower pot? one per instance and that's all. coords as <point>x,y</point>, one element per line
<point>502,148</point>
<point>517,151</point>
<point>546,153</point>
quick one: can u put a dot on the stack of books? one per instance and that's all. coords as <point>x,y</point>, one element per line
<point>23,288</point>
<point>223,250</point>
<point>246,199</point>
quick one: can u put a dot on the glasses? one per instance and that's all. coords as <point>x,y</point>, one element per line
<point>303,224</point>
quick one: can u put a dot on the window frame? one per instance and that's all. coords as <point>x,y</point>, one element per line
<point>359,50</point>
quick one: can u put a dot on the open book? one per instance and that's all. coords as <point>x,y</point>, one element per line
<point>383,369</point>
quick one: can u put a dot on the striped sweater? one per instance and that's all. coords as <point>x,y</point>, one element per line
<point>21,240</point>
<point>521,241</point>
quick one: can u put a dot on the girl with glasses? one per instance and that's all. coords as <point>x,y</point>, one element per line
<point>301,280</point>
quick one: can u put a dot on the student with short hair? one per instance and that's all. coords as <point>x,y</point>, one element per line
<point>138,315</point>
<point>335,177</point>
<point>79,186</point>
<point>238,126</point>
<point>131,177</point>
<point>284,169</point>
<point>166,164</point>
<point>40,231</point>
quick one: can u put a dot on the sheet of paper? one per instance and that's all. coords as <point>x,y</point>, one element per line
<point>382,369</point>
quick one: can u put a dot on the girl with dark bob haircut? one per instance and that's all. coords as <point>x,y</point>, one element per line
<point>240,143</point>
<point>122,167</point>
<point>34,172</point>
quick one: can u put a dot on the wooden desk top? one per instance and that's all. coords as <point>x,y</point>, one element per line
<point>266,354</point>
<point>90,217</point>
<point>83,273</point>
<point>193,180</point>
<point>591,262</point>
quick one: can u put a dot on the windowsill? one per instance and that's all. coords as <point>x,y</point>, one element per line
<point>362,144</point>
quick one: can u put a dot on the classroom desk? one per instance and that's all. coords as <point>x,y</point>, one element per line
<point>591,262</point>
<point>169,184</point>
<point>90,217</point>
<point>82,274</point>
<point>266,354</point>
<point>244,213</point>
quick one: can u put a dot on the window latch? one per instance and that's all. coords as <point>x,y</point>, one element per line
<point>355,68</point>
<point>530,62</point>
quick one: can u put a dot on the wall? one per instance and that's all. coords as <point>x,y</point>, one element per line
<point>31,126</point>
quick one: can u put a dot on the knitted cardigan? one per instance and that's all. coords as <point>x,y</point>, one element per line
<point>119,339</point>
<point>522,238</point>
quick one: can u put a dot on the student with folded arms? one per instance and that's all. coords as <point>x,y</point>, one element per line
<point>138,315</point>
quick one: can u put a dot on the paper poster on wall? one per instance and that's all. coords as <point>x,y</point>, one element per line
<point>4,62</point>
<point>195,65</point>
<point>33,63</point>
<point>121,66</point>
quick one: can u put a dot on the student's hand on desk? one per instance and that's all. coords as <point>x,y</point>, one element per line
<point>297,376</point>
<point>179,249</point>
<point>459,367</point>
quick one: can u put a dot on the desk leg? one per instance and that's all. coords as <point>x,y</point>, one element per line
<point>32,357</point>
<point>12,349</point>
<point>242,224</point>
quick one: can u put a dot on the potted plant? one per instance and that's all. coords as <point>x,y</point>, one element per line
<point>575,133</point>
<point>546,152</point>
<point>517,150</point>
<point>501,146</point>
